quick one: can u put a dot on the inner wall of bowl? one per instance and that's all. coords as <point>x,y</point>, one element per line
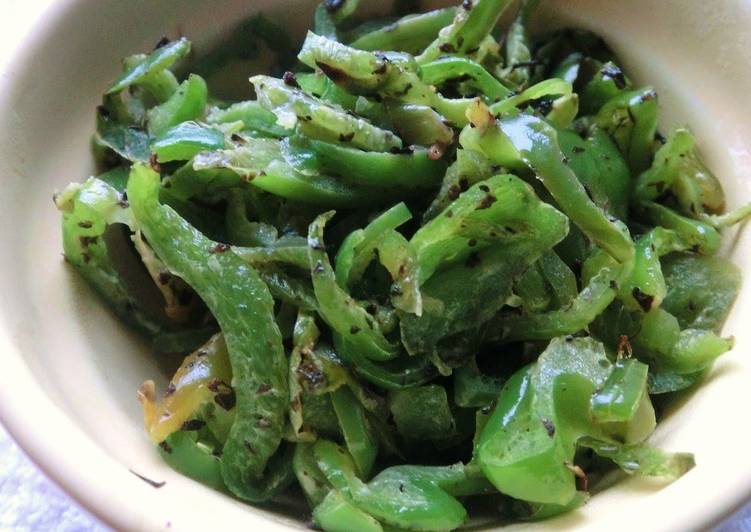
<point>91,365</point>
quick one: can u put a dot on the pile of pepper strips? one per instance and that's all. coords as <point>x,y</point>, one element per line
<point>439,262</point>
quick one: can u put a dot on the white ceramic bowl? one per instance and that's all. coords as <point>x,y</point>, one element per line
<point>70,370</point>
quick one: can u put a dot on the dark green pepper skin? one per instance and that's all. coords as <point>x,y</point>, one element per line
<point>528,445</point>
<point>230,288</point>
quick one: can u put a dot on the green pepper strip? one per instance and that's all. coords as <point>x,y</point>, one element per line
<point>518,46</point>
<point>531,140</point>
<point>183,141</point>
<point>318,119</point>
<point>161,84</point>
<point>411,497</point>
<point>375,169</point>
<point>261,163</point>
<point>404,372</point>
<point>549,87</point>
<point>242,305</point>
<point>390,75</point>
<point>358,249</point>
<point>591,301</point>
<point>527,447</point>
<point>88,210</point>
<point>470,26</point>
<point>253,116</point>
<point>645,288</point>
<point>702,237</point>
<point>477,273</point>
<point>643,459</point>
<point>631,119</point>
<point>408,34</point>
<point>337,308</point>
<point>160,59</point>
<point>620,395</point>
<point>187,103</point>
<point>314,485</point>
<point>293,254</point>
<point>358,434</point>
<point>448,68</point>
<point>186,455</point>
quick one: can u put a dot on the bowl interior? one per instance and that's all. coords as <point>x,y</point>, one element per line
<point>68,391</point>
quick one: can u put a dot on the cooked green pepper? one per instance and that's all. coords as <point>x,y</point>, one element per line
<point>228,286</point>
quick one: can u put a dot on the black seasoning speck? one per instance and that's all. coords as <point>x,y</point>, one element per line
<point>473,260</point>
<point>226,400</point>
<point>549,427</point>
<point>354,329</point>
<point>447,48</point>
<point>193,424</point>
<point>487,201</point>
<point>290,79</point>
<point>164,446</point>
<point>645,300</point>
<point>220,247</point>
<point>161,43</point>
<point>453,192</point>
<point>85,224</point>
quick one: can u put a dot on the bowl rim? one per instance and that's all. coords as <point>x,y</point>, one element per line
<point>105,488</point>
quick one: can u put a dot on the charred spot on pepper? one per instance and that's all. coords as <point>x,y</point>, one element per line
<point>166,447</point>
<point>319,267</point>
<point>87,241</point>
<point>447,48</point>
<point>578,149</point>
<point>436,151</point>
<point>614,73</point>
<point>161,43</point>
<point>549,427</point>
<point>85,224</point>
<point>219,247</point>
<point>346,137</point>
<point>193,425</point>
<point>453,192</point>
<point>154,163</point>
<point>238,139</point>
<point>226,400</point>
<point>290,79</point>
<point>644,300</point>
<point>249,447</point>
<point>354,329</point>
<point>335,74</point>
<point>170,390</point>
<point>487,201</point>
<point>473,260</point>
